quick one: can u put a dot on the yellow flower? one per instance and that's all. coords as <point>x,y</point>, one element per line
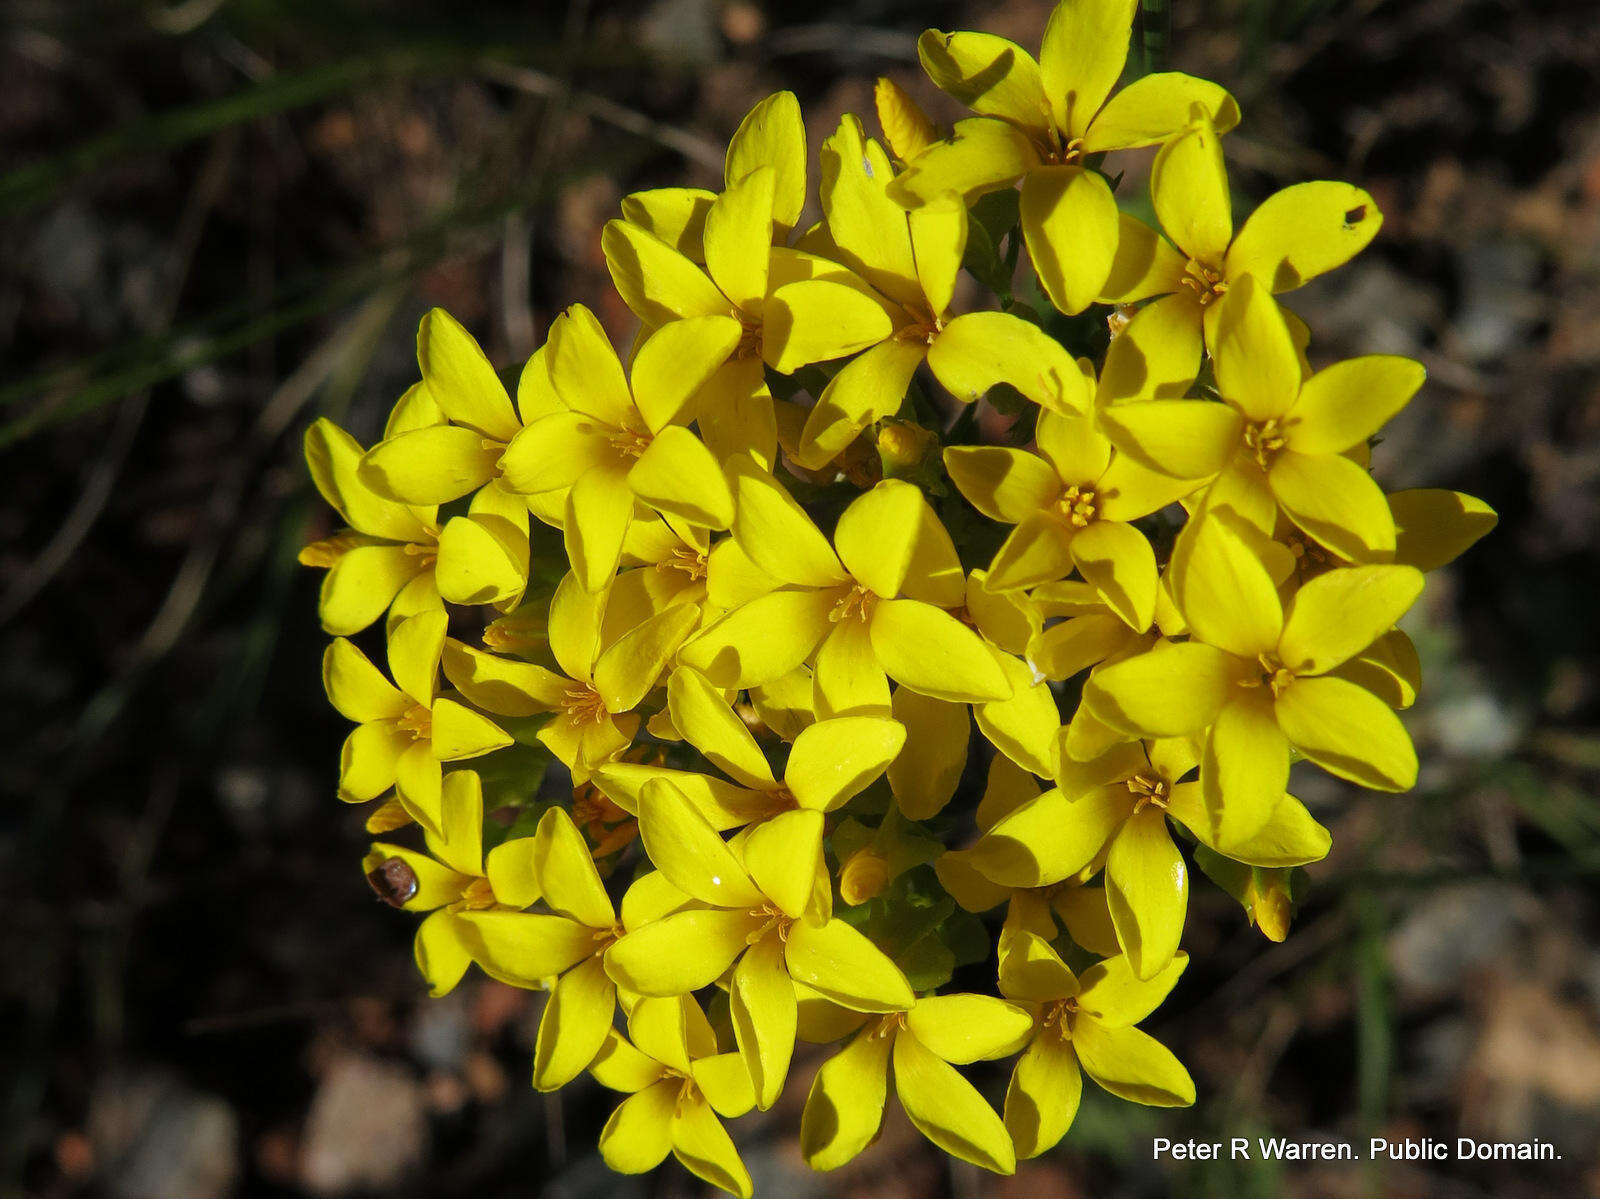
<point>386,556</point>
<point>1258,679</point>
<point>452,881</point>
<point>612,445</point>
<point>788,308</point>
<point>921,1038</point>
<point>405,729</point>
<point>764,910</point>
<point>1083,1027</point>
<point>677,1085</point>
<point>1071,503</point>
<point>1114,810</point>
<point>1278,441</point>
<point>873,608</point>
<point>592,705</point>
<point>1292,237</point>
<point>1041,121</point>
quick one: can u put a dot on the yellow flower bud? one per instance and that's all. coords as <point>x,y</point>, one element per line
<point>863,876</point>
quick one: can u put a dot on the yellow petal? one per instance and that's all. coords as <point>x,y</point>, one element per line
<point>783,855</point>
<point>415,646</point>
<point>1024,727</point>
<point>723,804</point>
<point>432,465</point>
<point>1118,562</point>
<point>776,532</point>
<point>460,379</point>
<point>333,458</point>
<point>678,476</point>
<point>638,1136</point>
<point>1115,995</point>
<point>585,370</point>
<point>1038,550</point>
<point>1085,48</point>
<point>845,1106</point>
<point>1258,369</point>
<point>480,561</point>
<point>554,452</point>
<point>676,215</point>
<point>1339,613</point>
<point>963,1028</point>
<point>459,732</point>
<point>1187,439</point>
<point>675,362</point>
<point>835,760</point>
<point>1031,971</point>
<point>979,350</point>
<point>1225,592</point>
<point>1433,527</point>
<point>509,869</point>
<point>1069,221</point>
<point>763,639</point>
<point>1243,771</point>
<point>739,236</point>
<point>905,126</point>
<point>1049,838</point>
<point>621,1067</point>
<point>688,851</point>
<point>703,1146</point>
<point>574,1025</point>
<point>1173,690</point>
<point>708,723</point>
<point>1290,837</point>
<point>1300,232</point>
<point>843,965</point>
<point>772,134</point>
<point>502,685</point>
<point>599,510</point>
<point>1004,484</point>
<point>1189,186</point>
<point>680,952</point>
<point>817,320</point>
<point>980,156</point>
<point>357,688</point>
<point>868,388</point>
<point>1146,265</point>
<point>1074,645</point>
<point>876,535</point>
<point>846,679</point>
<point>939,239</point>
<point>924,775</point>
<point>1336,502</point>
<point>948,1110</point>
<point>527,946</point>
<point>762,1004</point>
<point>930,651</point>
<point>1132,1065</point>
<point>1344,404</point>
<point>990,75</point>
<point>1155,358</point>
<point>1389,668</point>
<point>657,282</point>
<point>1151,109</point>
<point>1348,732</point>
<point>725,1083</point>
<point>369,760</point>
<point>1147,888</point>
<point>442,956</point>
<point>1042,1100</point>
<point>868,227</point>
<point>566,872</point>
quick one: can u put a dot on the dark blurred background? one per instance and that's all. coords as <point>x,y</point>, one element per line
<point>220,219</point>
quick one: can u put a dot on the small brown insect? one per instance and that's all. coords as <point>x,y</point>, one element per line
<point>394,882</point>
<point>1355,216</point>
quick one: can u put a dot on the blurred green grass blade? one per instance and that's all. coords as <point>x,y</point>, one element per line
<point>27,187</point>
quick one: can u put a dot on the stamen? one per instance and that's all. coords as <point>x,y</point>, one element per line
<point>690,562</point>
<point>1077,505</point>
<point>1205,281</point>
<point>1148,789</point>
<point>858,603</point>
<point>584,705</point>
<point>418,721</point>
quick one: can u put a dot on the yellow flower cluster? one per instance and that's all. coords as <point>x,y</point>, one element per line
<point>756,579</point>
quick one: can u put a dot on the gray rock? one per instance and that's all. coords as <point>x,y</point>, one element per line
<point>155,1138</point>
<point>367,1129</point>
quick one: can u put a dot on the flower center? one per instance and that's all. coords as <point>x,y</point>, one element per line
<point>1263,439</point>
<point>628,443</point>
<point>418,721</point>
<point>1309,557</point>
<point>584,705</point>
<point>428,551</point>
<point>1077,506</point>
<point>1204,281</point>
<point>890,1024</point>
<point>749,339</point>
<point>857,603</point>
<point>478,895</point>
<point>1069,154</point>
<point>1274,674</point>
<point>1148,789</point>
<point>772,921</point>
<point>690,562</point>
<point>1061,1015</point>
